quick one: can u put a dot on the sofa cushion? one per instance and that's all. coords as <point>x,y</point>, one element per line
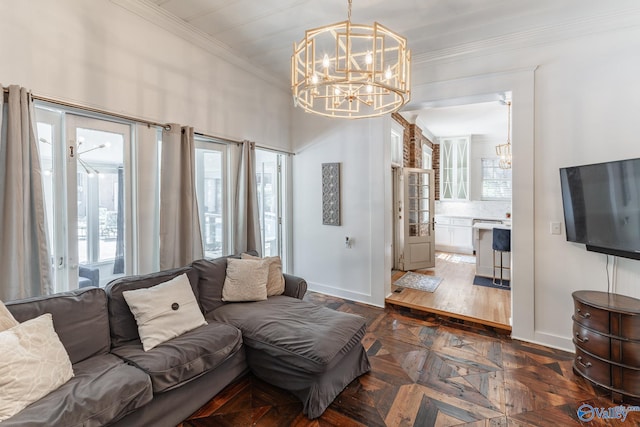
<point>211,275</point>
<point>103,389</point>
<point>80,319</point>
<point>6,318</point>
<point>275,279</point>
<point>123,324</point>
<point>246,280</point>
<point>33,364</point>
<point>164,311</point>
<point>186,357</point>
<point>300,333</point>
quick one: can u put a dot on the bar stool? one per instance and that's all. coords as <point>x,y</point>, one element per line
<point>501,244</point>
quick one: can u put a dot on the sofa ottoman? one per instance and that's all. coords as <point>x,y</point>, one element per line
<point>312,351</point>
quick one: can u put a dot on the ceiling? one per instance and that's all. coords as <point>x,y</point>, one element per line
<point>262,32</point>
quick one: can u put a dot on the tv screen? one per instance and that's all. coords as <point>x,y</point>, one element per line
<point>602,206</point>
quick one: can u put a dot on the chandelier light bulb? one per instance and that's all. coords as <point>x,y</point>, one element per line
<point>314,79</point>
<point>368,58</point>
<point>336,91</point>
<point>325,61</point>
<point>388,74</point>
<point>369,88</point>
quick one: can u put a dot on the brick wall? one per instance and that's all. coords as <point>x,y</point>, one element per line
<point>436,170</point>
<point>412,143</point>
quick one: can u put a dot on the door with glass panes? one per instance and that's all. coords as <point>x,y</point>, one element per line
<point>419,235</point>
<point>86,180</point>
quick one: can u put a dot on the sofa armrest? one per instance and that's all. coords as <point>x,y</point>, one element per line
<point>294,286</point>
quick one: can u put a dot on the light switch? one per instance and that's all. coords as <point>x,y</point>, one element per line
<point>556,228</point>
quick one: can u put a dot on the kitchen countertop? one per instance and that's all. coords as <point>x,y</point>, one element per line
<point>490,225</point>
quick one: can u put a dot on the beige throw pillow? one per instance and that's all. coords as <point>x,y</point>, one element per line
<point>6,318</point>
<point>33,364</point>
<point>275,279</point>
<point>164,311</point>
<point>246,280</point>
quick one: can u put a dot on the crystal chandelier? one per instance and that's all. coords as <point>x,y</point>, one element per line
<point>504,150</point>
<point>351,70</point>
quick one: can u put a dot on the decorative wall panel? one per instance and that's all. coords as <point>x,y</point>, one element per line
<point>331,193</point>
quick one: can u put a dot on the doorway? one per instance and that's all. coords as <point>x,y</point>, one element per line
<point>478,196</point>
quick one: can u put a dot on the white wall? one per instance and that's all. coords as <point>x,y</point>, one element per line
<point>320,255</point>
<point>575,102</point>
<point>98,54</point>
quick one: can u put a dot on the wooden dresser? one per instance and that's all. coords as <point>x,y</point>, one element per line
<point>606,333</point>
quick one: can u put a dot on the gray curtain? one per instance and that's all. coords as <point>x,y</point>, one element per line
<point>180,237</point>
<point>247,235</point>
<point>24,251</point>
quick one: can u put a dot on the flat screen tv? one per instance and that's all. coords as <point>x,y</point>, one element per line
<point>601,205</point>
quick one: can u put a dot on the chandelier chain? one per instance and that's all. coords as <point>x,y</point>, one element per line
<point>509,122</point>
<point>349,12</point>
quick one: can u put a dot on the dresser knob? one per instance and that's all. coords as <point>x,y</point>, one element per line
<point>584,365</point>
<point>582,340</point>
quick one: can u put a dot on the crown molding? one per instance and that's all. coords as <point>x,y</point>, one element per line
<point>169,22</point>
<point>539,36</point>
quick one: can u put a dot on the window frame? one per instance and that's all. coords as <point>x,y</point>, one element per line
<point>203,143</point>
<point>495,161</point>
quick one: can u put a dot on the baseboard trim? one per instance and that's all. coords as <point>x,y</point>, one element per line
<point>342,293</point>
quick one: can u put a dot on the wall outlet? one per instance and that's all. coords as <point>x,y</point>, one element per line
<point>556,228</point>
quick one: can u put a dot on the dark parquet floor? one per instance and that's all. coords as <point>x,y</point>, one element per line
<point>427,371</point>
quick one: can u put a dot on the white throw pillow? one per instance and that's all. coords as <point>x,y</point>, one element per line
<point>246,280</point>
<point>6,318</point>
<point>275,279</point>
<point>164,311</point>
<point>33,364</point>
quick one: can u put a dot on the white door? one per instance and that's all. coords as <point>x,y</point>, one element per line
<point>87,195</point>
<point>419,226</point>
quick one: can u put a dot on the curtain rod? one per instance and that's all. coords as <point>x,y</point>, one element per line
<point>98,111</point>
<point>164,126</point>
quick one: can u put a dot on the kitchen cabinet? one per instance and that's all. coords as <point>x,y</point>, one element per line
<point>483,236</point>
<point>454,234</point>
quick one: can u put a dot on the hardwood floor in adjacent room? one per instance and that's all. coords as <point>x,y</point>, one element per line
<point>457,296</point>
<point>427,371</point>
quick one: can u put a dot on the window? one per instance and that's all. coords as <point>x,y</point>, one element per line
<point>427,157</point>
<point>396,145</point>
<point>269,166</point>
<point>454,168</point>
<point>87,190</point>
<point>211,158</point>
<point>496,182</point>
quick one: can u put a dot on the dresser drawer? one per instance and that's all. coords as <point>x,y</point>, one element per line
<point>630,327</point>
<point>593,318</point>
<point>590,341</point>
<point>627,379</point>
<point>624,352</point>
<point>592,368</point>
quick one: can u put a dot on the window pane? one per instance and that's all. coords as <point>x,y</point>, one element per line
<point>268,181</point>
<point>210,190</point>
<point>496,182</point>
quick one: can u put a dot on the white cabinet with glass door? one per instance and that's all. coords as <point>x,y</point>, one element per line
<point>454,168</point>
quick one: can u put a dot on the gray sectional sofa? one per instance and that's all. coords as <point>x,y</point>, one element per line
<point>312,351</point>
